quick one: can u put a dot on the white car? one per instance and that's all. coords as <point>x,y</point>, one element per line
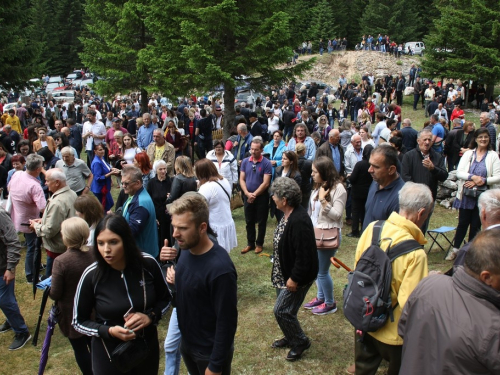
<point>65,95</point>
<point>51,86</point>
<point>418,48</point>
<point>56,79</point>
<point>8,106</point>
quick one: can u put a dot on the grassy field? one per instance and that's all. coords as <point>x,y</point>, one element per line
<point>332,335</point>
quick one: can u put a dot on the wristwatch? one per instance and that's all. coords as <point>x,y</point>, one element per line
<point>12,270</point>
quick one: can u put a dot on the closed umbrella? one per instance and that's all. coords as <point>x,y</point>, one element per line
<point>51,324</point>
<point>40,315</point>
<point>37,261</point>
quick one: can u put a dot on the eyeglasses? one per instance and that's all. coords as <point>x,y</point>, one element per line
<point>254,168</point>
<point>483,137</point>
<point>125,184</point>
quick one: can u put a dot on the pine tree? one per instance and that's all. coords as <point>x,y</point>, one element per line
<point>18,51</point>
<point>322,22</point>
<point>465,42</point>
<point>374,18</point>
<point>114,43</point>
<point>208,43</point>
<point>404,20</point>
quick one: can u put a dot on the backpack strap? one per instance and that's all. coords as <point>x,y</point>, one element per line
<point>403,248</point>
<point>377,231</point>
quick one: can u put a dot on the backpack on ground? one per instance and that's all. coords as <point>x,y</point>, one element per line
<point>367,296</point>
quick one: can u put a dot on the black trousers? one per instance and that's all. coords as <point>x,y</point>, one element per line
<point>196,362</point>
<point>81,347</point>
<point>467,218</point>
<point>256,213</point>
<point>416,97</point>
<point>369,353</point>
<point>399,97</point>
<point>101,364</point>
<point>358,213</point>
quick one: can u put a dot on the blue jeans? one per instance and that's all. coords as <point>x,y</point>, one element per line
<point>30,254</point>
<point>50,263</point>
<point>10,308</point>
<point>172,346</point>
<point>324,281</point>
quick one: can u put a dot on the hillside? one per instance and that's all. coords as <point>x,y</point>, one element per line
<point>353,64</point>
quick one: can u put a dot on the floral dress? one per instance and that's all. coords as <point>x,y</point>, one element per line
<point>277,276</point>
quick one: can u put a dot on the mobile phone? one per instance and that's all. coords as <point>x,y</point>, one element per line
<point>25,224</point>
<point>130,311</point>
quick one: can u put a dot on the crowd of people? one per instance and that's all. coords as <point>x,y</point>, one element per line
<point>298,158</point>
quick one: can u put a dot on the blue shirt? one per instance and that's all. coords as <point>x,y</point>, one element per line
<point>335,156</point>
<point>310,147</point>
<point>439,131</point>
<point>381,203</point>
<point>145,136</point>
<point>254,177</point>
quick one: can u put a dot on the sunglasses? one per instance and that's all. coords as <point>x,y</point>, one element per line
<point>254,168</point>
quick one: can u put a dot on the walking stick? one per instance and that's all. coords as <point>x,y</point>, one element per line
<point>337,263</point>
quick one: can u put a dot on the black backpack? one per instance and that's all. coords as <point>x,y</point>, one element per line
<point>367,296</point>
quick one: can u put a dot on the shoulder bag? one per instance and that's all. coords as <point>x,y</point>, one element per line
<point>129,354</point>
<point>476,191</point>
<point>326,238</point>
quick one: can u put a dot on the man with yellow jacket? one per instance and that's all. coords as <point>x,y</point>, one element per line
<point>415,203</point>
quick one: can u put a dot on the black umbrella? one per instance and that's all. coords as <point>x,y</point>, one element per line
<point>37,261</point>
<point>51,324</point>
<point>40,315</point>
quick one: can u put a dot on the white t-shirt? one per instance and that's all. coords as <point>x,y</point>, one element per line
<point>273,124</point>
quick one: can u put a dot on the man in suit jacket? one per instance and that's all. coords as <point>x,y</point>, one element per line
<point>333,150</point>
<point>255,126</point>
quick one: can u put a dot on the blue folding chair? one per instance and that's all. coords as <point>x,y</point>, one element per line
<point>441,231</point>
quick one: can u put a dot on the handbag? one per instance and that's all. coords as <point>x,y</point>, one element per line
<point>129,354</point>
<point>236,200</point>
<point>474,192</point>
<point>326,238</point>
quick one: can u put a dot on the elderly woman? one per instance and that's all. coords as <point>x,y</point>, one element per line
<point>295,265</point>
<point>68,268</point>
<point>116,148</point>
<point>224,162</point>
<point>478,169</point>
<point>158,189</point>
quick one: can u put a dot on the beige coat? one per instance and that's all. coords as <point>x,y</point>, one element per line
<point>331,214</point>
<point>59,208</point>
<point>168,156</point>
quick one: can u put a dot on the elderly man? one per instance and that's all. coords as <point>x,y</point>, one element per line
<point>242,145</point>
<point>489,214</point>
<point>159,149</point>
<point>415,203</point>
<point>59,207</point>
<point>409,135</point>
<point>425,166</point>
<point>27,203</point>
<point>450,325</point>
<point>116,125</point>
<point>333,150</point>
<point>383,194</point>
<point>10,253</point>
<point>145,132</point>
<point>139,211</point>
<point>78,175</point>
<point>485,121</point>
<point>441,112</point>
<point>301,135</point>
<point>255,177</point>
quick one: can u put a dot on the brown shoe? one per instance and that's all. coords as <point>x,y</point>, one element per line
<point>258,250</point>
<point>348,221</point>
<point>247,249</point>
<point>351,369</point>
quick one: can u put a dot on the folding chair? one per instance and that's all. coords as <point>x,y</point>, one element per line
<point>435,233</point>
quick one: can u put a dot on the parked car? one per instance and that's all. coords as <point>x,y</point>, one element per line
<point>53,85</point>
<point>65,95</point>
<point>247,97</point>
<point>418,48</point>
<point>77,74</point>
<point>56,79</point>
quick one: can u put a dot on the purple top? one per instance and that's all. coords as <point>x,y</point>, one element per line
<point>254,172</point>
<point>477,168</point>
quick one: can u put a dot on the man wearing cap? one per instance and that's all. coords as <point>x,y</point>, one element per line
<point>255,126</point>
<point>117,125</point>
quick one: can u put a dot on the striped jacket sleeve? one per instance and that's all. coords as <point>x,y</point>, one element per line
<point>83,306</point>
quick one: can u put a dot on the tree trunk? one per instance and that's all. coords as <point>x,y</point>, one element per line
<point>229,113</point>
<point>144,100</point>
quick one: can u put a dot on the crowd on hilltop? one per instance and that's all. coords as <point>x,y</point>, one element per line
<point>314,159</point>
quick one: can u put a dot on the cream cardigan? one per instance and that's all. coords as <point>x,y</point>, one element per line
<point>332,213</point>
<point>492,168</point>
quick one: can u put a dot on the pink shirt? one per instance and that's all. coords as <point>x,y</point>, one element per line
<point>27,198</point>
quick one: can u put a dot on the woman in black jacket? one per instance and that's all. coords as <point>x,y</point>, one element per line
<point>361,180</point>
<point>295,265</point>
<point>158,189</point>
<point>184,179</point>
<point>120,298</point>
<point>288,168</point>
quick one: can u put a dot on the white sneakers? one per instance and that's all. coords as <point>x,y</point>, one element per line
<point>452,254</point>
